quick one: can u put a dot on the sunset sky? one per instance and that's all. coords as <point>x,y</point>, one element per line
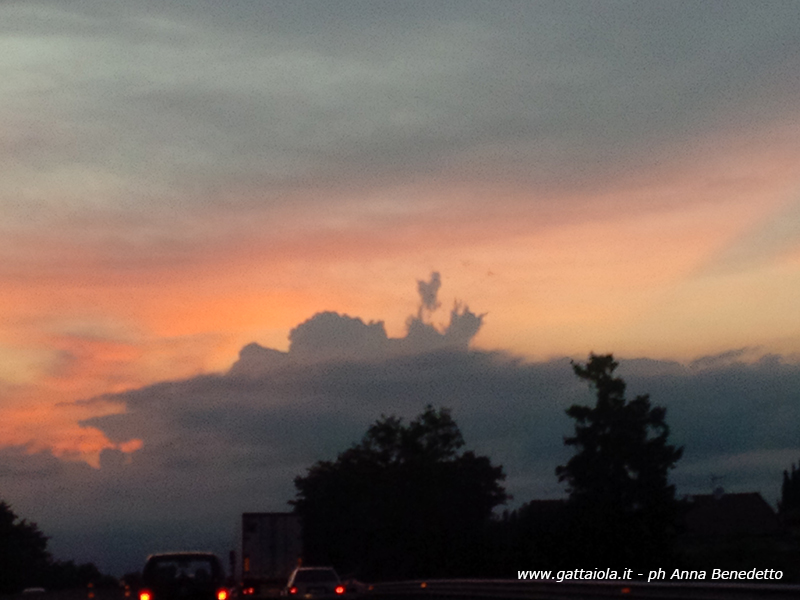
<point>181,179</point>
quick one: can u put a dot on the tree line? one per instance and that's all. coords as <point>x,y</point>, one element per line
<point>408,502</point>
<point>26,562</point>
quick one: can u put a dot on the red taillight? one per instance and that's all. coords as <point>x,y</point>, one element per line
<point>340,589</point>
<point>292,590</point>
<point>222,594</point>
<point>248,591</point>
<point>145,595</point>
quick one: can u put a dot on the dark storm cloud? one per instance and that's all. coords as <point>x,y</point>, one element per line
<point>735,417</point>
<point>20,465</point>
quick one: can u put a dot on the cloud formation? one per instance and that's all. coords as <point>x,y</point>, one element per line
<point>428,293</point>
<point>237,439</point>
<point>329,336</point>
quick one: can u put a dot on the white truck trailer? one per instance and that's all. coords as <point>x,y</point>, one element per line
<point>272,546</point>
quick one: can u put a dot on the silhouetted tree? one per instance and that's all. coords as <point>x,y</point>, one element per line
<point>789,503</point>
<point>23,552</point>
<point>623,505</point>
<point>790,492</point>
<point>404,502</point>
<point>533,534</point>
<point>64,575</point>
<point>25,561</point>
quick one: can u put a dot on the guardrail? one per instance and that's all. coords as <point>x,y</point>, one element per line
<point>512,589</point>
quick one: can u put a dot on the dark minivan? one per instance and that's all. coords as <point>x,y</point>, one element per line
<point>183,576</point>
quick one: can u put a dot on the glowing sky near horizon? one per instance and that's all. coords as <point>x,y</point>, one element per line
<point>181,180</point>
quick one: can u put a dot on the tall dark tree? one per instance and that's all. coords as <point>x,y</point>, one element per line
<point>26,562</point>
<point>624,507</point>
<point>24,559</point>
<point>789,504</point>
<point>404,502</point>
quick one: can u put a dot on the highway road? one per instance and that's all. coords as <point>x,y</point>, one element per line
<point>78,594</point>
<point>506,590</point>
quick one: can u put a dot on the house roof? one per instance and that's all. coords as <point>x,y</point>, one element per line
<point>730,514</point>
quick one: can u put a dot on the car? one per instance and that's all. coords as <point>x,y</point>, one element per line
<point>183,576</point>
<point>353,586</point>
<point>314,582</point>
